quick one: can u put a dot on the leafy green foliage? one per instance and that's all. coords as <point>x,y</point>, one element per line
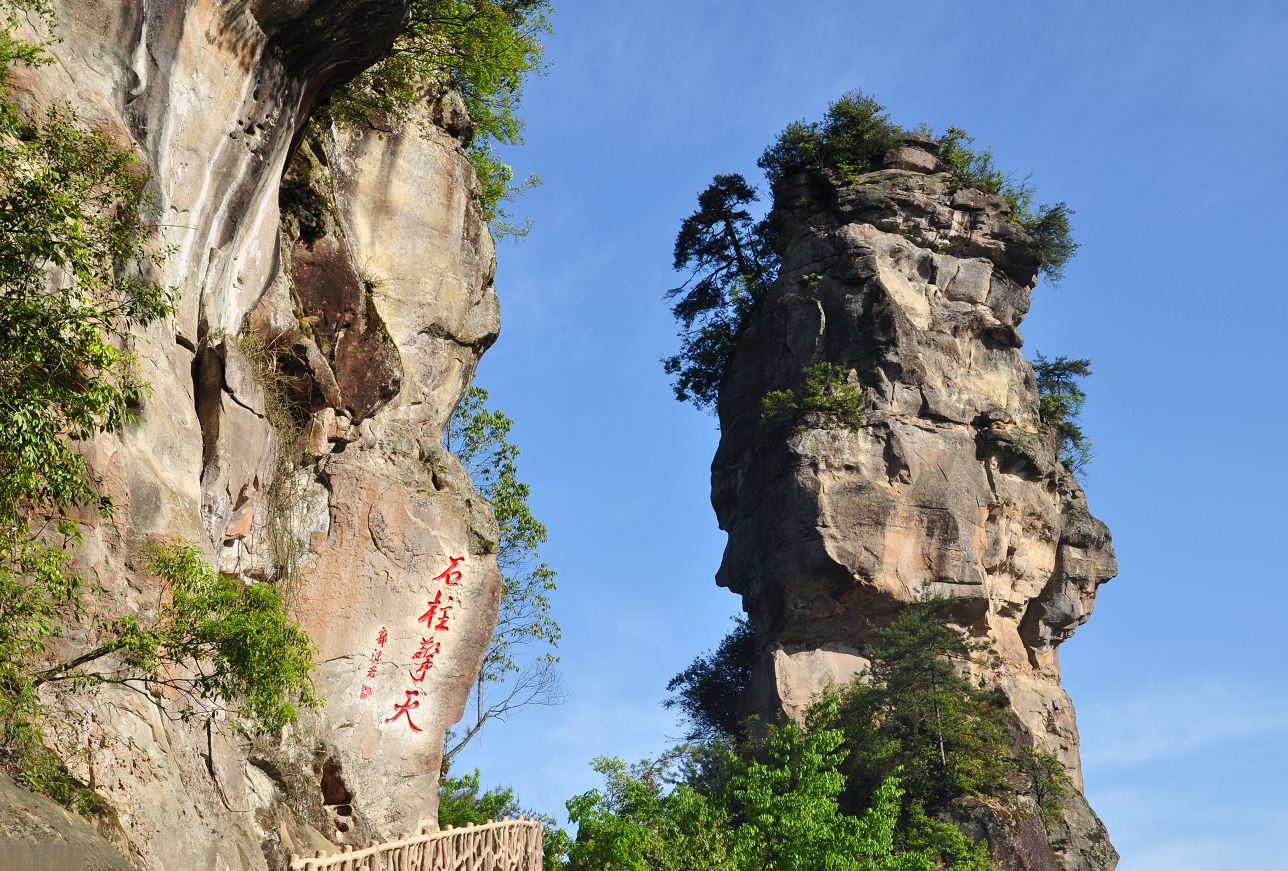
<point>634,824</point>
<point>1053,234</point>
<point>709,689</point>
<point>918,712</point>
<point>731,261</point>
<point>217,640</point>
<point>1048,779</point>
<point>826,396</point>
<point>776,807</point>
<point>1061,401</point>
<point>484,50</point>
<point>460,804</point>
<point>1048,225</point>
<point>856,136</point>
<point>480,439</point>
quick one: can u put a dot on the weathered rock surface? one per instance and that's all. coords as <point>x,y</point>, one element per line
<point>366,285</point>
<point>919,288</point>
<point>38,835</point>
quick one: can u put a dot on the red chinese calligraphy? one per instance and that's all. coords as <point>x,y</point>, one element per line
<point>376,654</point>
<point>428,648</point>
<point>371,672</point>
<point>442,621</point>
<point>382,637</point>
<point>406,708</point>
<point>365,692</point>
<point>449,576</point>
<point>428,617</point>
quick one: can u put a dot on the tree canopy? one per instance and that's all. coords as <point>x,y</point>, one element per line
<point>708,691</point>
<point>731,261</point>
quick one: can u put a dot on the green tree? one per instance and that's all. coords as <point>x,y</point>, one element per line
<point>917,712</point>
<point>1049,226</point>
<point>1061,401</point>
<point>856,136</point>
<point>459,804</point>
<point>482,49</point>
<point>479,437</point>
<point>708,691</point>
<point>634,824</point>
<point>1048,780</point>
<point>731,261</point>
<point>777,807</point>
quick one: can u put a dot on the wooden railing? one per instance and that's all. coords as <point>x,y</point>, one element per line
<point>508,845</point>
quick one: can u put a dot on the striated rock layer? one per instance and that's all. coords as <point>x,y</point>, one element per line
<point>919,288</point>
<point>363,285</point>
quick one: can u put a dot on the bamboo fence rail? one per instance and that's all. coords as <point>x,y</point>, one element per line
<point>508,845</point>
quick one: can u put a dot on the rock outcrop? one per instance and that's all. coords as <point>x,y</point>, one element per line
<point>38,835</point>
<point>918,288</point>
<point>360,289</point>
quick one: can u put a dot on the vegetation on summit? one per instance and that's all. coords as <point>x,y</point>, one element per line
<point>730,258</point>
<point>1061,403</point>
<point>482,49</point>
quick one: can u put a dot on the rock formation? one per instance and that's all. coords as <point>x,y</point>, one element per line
<point>367,276</point>
<point>918,288</point>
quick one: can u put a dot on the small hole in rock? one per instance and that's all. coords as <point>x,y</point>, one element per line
<point>341,827</point>
<point>344,810</point>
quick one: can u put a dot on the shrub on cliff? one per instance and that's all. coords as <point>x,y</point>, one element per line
<point>482,49</point>
<point>855,136</point>
<point>1060,406</point>
<point>825,398</point>
<point>1048,225</point>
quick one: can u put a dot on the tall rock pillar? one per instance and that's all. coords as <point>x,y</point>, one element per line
<point>919,288</point>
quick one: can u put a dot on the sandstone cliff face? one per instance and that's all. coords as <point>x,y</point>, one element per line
<point>919,289</point>
<point>369,279</point>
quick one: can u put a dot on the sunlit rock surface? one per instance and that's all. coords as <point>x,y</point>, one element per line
<point>950,481</point>
<point>370,268</point>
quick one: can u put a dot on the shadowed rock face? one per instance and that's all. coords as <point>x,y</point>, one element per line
<point>372,273</point>
<point>951,481</point>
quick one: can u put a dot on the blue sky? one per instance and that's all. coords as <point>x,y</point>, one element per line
<point>1163,125</point>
